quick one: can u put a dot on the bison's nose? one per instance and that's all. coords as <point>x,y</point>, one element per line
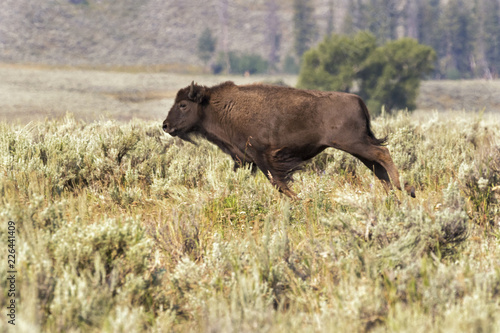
<point>165,127</point>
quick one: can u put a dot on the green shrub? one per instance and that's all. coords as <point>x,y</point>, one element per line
<point>242,63</point>
<point>206,45</point>
<point>388,75</point>
<point>290,66</point>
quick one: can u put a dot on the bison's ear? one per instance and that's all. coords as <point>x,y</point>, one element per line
<point>198,94</point>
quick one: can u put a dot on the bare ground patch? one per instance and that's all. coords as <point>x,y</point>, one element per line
<point>35,92</point>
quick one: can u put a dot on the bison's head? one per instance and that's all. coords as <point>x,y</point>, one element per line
<point>187,112</point>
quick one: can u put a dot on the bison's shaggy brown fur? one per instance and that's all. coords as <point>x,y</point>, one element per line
<point>278,128</point>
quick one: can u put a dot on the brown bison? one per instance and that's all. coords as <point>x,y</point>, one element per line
<point>278,128</point>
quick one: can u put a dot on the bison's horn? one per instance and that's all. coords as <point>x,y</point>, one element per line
<point>191,94</point>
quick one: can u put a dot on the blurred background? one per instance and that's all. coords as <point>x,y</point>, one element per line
<point>125,58</point>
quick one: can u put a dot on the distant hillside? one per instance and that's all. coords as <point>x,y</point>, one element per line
<point>130,32</point>
<point>465,34</point>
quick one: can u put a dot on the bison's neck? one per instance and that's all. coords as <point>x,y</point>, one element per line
<point>215,126</point>
<point>226,119</point>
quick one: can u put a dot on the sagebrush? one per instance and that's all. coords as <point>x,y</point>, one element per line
<point>122,228</point>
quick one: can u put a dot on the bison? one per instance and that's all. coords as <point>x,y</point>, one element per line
<point>276,128</point>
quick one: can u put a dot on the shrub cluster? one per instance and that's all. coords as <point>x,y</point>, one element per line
<point>240,64</point>
<point>387,75</point>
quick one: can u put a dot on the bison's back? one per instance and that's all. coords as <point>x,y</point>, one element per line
<point>289,101</point>
<point>283,115</point>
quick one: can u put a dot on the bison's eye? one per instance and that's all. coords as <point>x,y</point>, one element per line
<point>183,106</point>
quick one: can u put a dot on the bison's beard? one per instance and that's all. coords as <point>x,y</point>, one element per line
<point>186,137</point>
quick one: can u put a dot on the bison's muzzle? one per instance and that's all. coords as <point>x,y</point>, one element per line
<point>169,129</point>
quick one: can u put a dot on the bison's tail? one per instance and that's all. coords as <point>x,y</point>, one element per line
<point>373,139</point>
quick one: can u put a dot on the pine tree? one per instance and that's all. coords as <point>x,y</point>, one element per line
<point>221,7</point>
<point>411,19</point>
<point>330,23</point>
<point>336,62</point>
<point>273,34</point>
<point>387,75</point>
<point>206,45</point>
<point>353,21</point>
<point>491,31</point>
<point>429,31</point>
<point>381,18</point>
<point>391,74</point>
<point>304,27</point>
<point>460,30</point>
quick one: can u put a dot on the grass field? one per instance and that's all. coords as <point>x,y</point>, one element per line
<point>34,92</point>
<point>121,228</point>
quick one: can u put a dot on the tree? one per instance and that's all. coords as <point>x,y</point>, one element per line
<point>241,63</point>
<point>387,75</point>
<point>381,18</point>
<point>411,24</point>
<point>491,34</point>
<point>352,20</point>
<point>273,34</point>
<point>330,19</point>
<point>391,74</point>
<point>206,45</point>
<point>221,7</point>
<point>303,26</point>
<point>459,26</point>
<point>335,63</point>
<point>429,29</point>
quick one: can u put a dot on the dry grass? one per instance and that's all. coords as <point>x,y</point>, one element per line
<point>460,95</point>
<point>123,228</point>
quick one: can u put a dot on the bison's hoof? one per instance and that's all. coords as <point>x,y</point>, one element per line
<point>410,190</point>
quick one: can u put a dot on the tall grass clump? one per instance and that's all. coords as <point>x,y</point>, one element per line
<point>123,228</point>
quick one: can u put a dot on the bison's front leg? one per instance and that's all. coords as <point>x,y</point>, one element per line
<point>237,165</point>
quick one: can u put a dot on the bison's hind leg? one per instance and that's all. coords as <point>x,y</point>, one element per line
<point>282,186</point>
<point>385,159</point>
<point>378,159</point>
<point>278,169</point>
<point>279,182</point>
<point>379,171</point>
